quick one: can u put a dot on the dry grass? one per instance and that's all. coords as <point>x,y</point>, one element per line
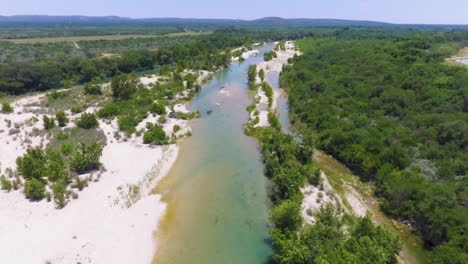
<point>106,37</point>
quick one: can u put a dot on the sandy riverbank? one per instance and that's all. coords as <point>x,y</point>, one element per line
<point>274,65</point>
<point>112,221</point>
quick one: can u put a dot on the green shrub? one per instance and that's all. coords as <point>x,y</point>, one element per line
<point>7,108</point>
<point>66,149</point>
<point>124,86</point>
<point>6,184</point>
<point>49,122</point>
<point>250,108</point>
<point>60,193</point>
<point>32,164</point>
<point>209,112</point>
<point>274,121</point>
<point>62,118</point>
<point>86,157</point>
<point>158,108</point>
<point>34,189</point>
<point>186,116</point>
<point>108,110</point>
<point>77,108</point>
<point>92,89</point>
<point>88,121</point>
<point>176,128</point>
<point>155,135</point>
<point>287,215</point>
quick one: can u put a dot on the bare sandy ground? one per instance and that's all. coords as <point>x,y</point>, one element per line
<point>114,218</point>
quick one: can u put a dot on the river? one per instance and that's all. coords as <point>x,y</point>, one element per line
<point>217,201</point>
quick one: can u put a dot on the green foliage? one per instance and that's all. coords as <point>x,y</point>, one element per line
<point>86,157</point>
<point>34,189</point>
<point>32,164</point>
<point>62,118</point>
<point>7,108</point>
<point>273,121</point>
<point>327,242</point>
<point>155,135</point>
<point>287,215</point>
<point>269,55</point>
<point>124,86</point>
<point>5,184</point>
<point>159,108</point>
<point>186,116</point>
<point>88,121</point>
<point>209,112</point>
<point>176,128</point>
<point>261,74</point>
<point>60,193</point>
<point>92,89</point>
<point>393,112</point>
<point>49,122</point>
<point>252,75</point>
<point>109,110</point>
<point>268,90</point>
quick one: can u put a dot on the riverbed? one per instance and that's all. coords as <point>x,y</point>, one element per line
<point>216,191</point>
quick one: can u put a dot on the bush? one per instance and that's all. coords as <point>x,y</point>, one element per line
<point>66,149</point>
<point>108,110</point>
<point>6,184</point>
<point>62,118</point>
<point>49,122</point>
<point>86,157</point>
<point>60,193</point>
<point>88,121</point>
<point>92,89</point>
<point>158,108</point>
<point>287,215</point>
<point>124,86</point>
<point>7,108</point>
<point>176,128</point>
<point>76,108</point>
<point>32,164</point>
<point>34,189</point>
<point>155,135</point>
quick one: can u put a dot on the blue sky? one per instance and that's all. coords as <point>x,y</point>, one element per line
<point>397,11</point>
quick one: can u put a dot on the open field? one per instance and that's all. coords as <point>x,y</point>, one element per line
<point>107,37</point>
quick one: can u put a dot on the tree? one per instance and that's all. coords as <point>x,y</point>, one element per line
<point>62,118</point>
<point>34,189</point>
<point>287,215</point>
<point>261,74</point>
<point>124,86</point>
<point>88,121</point>
<point>252,75</point>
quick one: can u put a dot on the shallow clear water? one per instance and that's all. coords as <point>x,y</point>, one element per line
<point>464,61</point>
<point>216,195</point>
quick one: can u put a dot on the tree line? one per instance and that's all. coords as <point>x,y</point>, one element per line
<point>393,111</point>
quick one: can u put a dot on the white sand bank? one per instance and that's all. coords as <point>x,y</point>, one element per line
<point>114,218</point>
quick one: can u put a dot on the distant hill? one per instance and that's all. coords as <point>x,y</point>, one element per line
<point>267,21</point>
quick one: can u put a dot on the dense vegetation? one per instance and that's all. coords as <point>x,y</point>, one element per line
<point>335,237</point>
<point>45,72</point>
<point>395,113</point>
<point>58,170</point>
